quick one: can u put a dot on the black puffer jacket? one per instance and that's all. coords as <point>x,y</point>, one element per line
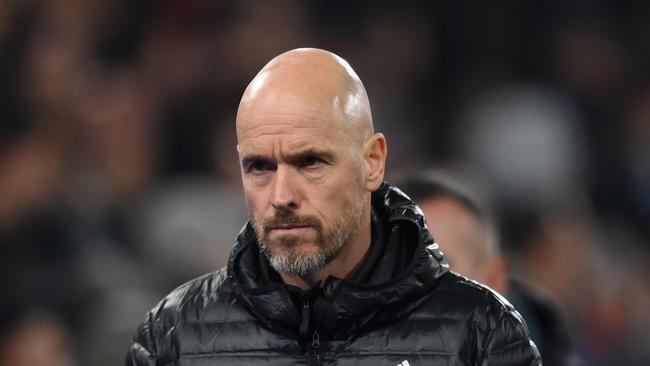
<point>403,308</point>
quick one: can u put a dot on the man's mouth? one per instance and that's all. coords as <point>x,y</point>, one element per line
<point>287,227</point>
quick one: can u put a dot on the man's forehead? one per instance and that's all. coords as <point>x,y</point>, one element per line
<point>289,135</point>
<point>287,149</point>
<point>284,99</point>
<point>287,115</point>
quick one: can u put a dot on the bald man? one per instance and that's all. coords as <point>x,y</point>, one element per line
<point>334,267</point>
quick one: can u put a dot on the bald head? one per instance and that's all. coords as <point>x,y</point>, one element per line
<point>314,84</point>
<point>309,161</point>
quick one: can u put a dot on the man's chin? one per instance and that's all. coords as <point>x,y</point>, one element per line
<point>294,261</point>
<point>293,249</point>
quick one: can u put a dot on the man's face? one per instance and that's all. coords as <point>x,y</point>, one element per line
<point>303,181</point>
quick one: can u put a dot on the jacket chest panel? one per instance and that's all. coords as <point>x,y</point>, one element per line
<point>241,360</point>
<point>229,337</point>
<point>420,341</point>
<point>440,336</point>
<point>348,360</point>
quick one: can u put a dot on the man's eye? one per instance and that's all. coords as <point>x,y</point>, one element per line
<point>310,161</point>
<point>257,166</point>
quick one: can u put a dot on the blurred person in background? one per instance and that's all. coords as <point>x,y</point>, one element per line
<point>39,280</point>
<point>32,336</point>
<point>593,268</point>
<point>462,223</point>
<point>332,259</point>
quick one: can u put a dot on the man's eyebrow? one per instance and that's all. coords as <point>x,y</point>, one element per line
<point>321,153</point>
<point>293,157</point>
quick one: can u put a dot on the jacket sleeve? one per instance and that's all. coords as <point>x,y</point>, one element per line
<point>143,350</point>
<point>509,344</point>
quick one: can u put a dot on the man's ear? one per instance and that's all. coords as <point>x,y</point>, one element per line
<point>374,156</point>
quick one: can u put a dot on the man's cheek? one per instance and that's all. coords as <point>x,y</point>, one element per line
<point>250,204</point>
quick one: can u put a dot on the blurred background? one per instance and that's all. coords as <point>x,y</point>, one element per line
<point>119,177</point>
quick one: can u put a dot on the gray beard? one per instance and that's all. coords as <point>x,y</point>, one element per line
<point>296,263</point>
<point>285,254</point>
<point>289,259</point>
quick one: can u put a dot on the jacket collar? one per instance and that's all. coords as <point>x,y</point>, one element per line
<point>407,267</point>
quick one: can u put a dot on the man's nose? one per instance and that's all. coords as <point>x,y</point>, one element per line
<point>284,195</point>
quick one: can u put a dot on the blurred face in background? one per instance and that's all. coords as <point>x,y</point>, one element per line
<point>464,240</point>
<point>460,234</point>
<point>38,340</point>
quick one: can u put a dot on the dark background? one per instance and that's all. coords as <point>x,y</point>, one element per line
<point>119,177</point>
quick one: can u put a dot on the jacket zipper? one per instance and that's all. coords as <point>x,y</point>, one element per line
<point>315,346</point>
<point>313,352</point>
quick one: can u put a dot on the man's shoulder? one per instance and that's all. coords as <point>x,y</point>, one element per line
<point>470,310</point>
<point>185,314</point>
<point>457,317</point>
<point>459,297</point>
<point>199,299</point>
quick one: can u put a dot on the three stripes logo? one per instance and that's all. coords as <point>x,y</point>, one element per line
<point>403,363</point>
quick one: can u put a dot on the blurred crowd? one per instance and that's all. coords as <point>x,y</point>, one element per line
<point>119,177</point>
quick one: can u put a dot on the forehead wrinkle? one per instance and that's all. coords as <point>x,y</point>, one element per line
<point>296,120</point>
<point>275,129</point>
<point>295,138</point>
<point>332,137</point>
<point>275,145</point>
<point>285,118</point>
<point>288,151</point>
<point>311,142</point>
<point>290,123</point>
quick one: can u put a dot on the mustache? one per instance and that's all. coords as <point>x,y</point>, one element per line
<point>291,219</point>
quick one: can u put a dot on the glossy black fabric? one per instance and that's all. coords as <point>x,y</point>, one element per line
<point>407,310</point>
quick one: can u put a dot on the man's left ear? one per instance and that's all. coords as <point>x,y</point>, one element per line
<point>375,160</point>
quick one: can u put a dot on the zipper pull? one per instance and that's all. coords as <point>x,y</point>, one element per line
<point>315,345</point>
<point>304,321</point>
<point>315,341</point>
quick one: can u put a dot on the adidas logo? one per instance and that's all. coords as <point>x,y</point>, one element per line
<point>403,363</point>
